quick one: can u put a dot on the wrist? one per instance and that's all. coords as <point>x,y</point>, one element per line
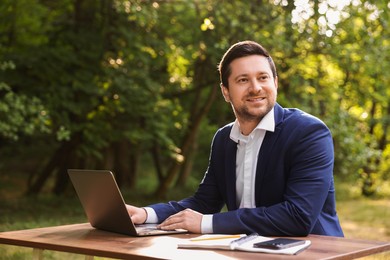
<point>151,216</point>
<point>145,215</point>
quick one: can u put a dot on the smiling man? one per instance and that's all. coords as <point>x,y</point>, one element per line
<point>251,89</point>
<point>272,167</point>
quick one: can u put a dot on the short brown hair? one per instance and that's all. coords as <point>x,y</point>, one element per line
<point>239,50</point>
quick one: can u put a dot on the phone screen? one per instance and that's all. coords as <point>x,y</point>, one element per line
<point>279,243</point>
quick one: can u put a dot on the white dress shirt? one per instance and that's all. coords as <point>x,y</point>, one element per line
<point>248,148</point>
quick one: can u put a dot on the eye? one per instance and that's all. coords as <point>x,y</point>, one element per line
<point>263,77</point>
<point>242,80</point>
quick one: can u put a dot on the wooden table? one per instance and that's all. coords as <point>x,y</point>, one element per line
<point>83,239</point>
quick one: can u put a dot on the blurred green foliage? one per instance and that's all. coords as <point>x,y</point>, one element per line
<point>115,83</point>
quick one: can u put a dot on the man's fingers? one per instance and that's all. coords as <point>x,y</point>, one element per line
<point>173,220</point>
<point>186,219</point>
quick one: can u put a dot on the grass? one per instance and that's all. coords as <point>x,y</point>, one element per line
<point>360,218</point>
<point>363,218</point>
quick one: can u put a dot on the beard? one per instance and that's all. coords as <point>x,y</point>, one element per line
<point>247,114</point>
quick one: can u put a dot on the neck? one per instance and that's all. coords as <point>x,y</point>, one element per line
<point>246,127</point>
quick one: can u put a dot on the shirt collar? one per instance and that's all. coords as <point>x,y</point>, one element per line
<point>267,124</point>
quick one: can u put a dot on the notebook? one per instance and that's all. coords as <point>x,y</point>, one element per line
<point>240,243</point>
<point>104,205</point>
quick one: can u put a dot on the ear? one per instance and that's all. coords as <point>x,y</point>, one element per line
<point>225,93</point>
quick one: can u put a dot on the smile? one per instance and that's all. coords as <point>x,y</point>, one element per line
<point>255,99</point>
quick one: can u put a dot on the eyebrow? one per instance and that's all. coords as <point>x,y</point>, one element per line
<point>246,74</point>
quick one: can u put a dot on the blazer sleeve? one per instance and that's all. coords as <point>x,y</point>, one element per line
<point>209,197</point>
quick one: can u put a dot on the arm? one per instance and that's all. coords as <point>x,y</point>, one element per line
<point>207,199</point>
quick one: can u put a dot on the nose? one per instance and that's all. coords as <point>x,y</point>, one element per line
<point>255,85</point>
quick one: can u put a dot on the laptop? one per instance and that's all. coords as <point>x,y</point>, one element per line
<point>104,205</point>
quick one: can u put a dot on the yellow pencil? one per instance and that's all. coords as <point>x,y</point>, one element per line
<point>215,238</point>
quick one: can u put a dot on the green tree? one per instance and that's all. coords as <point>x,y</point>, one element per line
<point>112,83</point>
<point>364,59</point>
<point>21,114</point>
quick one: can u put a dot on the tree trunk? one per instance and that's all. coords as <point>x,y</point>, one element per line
<point>187,165</point>
<point>188,141</point>
<point>125,163</point>
<point>155,151</point>
<point>57,162</point>
<point>367,188</point>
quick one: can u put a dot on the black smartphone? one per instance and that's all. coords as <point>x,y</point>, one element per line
<point>279,243</point>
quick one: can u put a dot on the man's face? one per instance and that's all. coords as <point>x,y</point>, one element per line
<point>252,88</point>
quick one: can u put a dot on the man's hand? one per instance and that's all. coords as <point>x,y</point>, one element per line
<point>138,215</point>
<point>187,219</point>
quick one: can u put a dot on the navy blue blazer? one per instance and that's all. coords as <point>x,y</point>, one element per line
<point>294,189</point>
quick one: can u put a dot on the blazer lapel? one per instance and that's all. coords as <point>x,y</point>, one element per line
<point>264,154</point>
<point>230,166</point>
